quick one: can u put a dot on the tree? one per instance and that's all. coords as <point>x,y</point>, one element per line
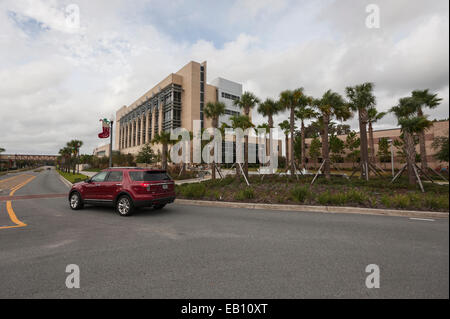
<point>286,128</point>
<point>314,150</point>
<point>410,123</point>
<point>337,147</point>
<point>330,105</point>
<point>243,122</point>
<point>361,100</point>
<point>164,140</point>
<point>75,146</point>
<point>246,102</point>
<point>342,129</point>
<point>304,112</point>
<point>65,153</point>
<point>441,144</point>
<point>424,99</point>
<point>2,150</point>
<point>373,116</point>
<point>290,100</point>
<point>269,108</point>
<point>213,111</point>
<point>146,155</point>
<point>383,150</point>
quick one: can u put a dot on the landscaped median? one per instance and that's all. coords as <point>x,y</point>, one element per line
<point>72,178</point>
<point>378,193</point>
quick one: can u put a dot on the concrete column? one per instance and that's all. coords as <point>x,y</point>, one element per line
<point>132,133</point>
<point>137,132</point>
<point>142,130</point>
<point>153,124</point>
<point>160,120</point>
<point>127,135</point>
<point>147,123</point>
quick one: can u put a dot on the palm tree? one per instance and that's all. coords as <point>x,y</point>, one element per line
<point>285,126</point>
<point>75,146</point>
<point>246,102</point>
<point>424,99</point>
<point>243,122</point>
<point>213,111</point>
<point>361,100</point>
<point>2,149</point>
<point>330,105</point>
<point>269,108</point>
<point>304,112</point>
<point>163,138</point>
<point>290,100</point>
<point>373,116</point>
<point>66,153</point>
<point>411,123</point>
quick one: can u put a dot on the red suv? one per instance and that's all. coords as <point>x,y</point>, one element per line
<point>125,189</point>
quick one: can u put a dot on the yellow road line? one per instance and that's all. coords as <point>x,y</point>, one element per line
<point>9,208</point>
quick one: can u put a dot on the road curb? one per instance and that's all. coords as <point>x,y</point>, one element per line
<point>65,181</point>
<point>316,209</point>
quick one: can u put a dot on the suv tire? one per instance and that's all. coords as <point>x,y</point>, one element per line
<point>75,201</point>
<point>124,205</point>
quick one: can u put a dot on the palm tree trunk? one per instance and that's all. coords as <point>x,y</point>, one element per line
<point>410,157</point>
<point>246,156</point>
<point>270,144</point>
<point>372,143</point>
<point>164,156</point>
<point>291,144</point>
<point>286,136</point>
<point>363,138</point>
<point>423,149</point>
<point>325,148</point>
<point>303,145</point>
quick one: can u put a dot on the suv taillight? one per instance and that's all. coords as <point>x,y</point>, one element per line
<point>146,186</point>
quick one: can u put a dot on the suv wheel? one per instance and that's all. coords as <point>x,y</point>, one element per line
<point>124,205</point>
<point>75,201</point>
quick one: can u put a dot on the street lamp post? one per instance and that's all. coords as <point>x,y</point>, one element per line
<point>110,144</point>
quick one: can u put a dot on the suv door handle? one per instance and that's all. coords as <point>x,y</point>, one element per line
<point>118,184</point>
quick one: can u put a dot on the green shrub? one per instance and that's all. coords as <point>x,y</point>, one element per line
<point>193,190</point>
<point>300,193</point>
<point>386,201</point>
<point>327,198</point>
<point>355,196</point>
<point>401,201</point>
<point>246,193</point>
<point>437,202</point>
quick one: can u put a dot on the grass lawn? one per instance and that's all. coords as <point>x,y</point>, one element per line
<point>377,193</point>
<point>73,178</point>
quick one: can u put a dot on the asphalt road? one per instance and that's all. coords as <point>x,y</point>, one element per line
<point>208,252</point>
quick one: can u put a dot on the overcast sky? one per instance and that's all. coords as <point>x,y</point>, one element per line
<point>57,80</point>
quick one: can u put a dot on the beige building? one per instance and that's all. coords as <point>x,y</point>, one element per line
<point>439,128</point>
<point>101,151</point>
<point>174,102</point>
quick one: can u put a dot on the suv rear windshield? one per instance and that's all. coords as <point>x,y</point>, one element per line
<point>147,176</point>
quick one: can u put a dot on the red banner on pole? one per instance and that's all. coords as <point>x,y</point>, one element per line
<point>106,129</point>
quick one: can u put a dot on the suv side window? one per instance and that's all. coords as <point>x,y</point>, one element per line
<point>100,177</point>
<point>115,176</point>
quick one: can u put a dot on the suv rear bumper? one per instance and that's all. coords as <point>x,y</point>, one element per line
<point>153,202</point>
